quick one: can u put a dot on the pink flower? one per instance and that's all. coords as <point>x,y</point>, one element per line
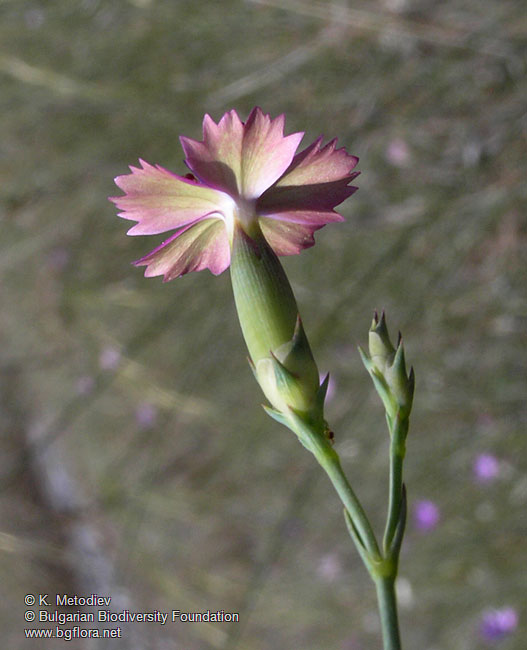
<point>242,174</point>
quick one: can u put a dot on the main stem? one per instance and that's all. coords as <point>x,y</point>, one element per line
<point>388,611</point>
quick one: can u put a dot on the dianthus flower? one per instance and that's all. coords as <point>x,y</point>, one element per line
<point>242,174</point>
<point>249,198</point>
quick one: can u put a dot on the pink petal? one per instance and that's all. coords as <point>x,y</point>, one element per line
<point>266,152</point>
<point>196,247</point>
<point>160,200</point>
<point>316,164</point>
<point>241,159</point>
<point>217,159</point>
<point>288,203</point>
<point>287,238</point>
<point>316,182</point>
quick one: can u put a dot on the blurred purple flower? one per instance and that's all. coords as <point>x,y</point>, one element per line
<point>498,623</point>
<point>146,415</point>
<point>329,567</point>
<point>486,468</point>
<point>426,515</point>
<point>397,152</point>
<point>109,358</point>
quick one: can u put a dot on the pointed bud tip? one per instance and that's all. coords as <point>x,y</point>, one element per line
<point>298,331</point>
<point>411,382</point>
<point>377,323</point>
<point>399,360</point>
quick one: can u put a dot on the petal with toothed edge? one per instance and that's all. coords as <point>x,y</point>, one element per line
<point>316,164</point>
<point>316,181</point>
<point>216,160</point>
<point>241,158</point>
<point>267,153</point>
<point>160,200</point>
<point>286,238</point>
<point>196,247</point>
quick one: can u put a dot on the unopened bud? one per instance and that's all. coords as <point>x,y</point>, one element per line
<point>387,368</point>
<point>401,384</point>
<point>381,349</point>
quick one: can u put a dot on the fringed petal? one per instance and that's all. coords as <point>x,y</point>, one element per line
<point>267,153</point>
<point>160,200</point>
<point>216,160</point>
<point>316,164</point>
<point>241,159</point>
<point>202,245</point>
<point>316,181</point>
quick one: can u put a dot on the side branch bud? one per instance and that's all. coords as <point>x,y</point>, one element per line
<point>387,367</point>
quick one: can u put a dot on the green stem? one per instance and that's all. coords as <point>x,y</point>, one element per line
<point>329,460</point>
<point>381,566</point>
<point>397,452</point>
<point>388,610</point>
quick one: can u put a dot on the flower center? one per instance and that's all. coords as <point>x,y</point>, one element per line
<point>242,212</point>
<point>245,214</point>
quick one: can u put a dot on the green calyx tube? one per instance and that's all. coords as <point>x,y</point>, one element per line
<point>279,351</point>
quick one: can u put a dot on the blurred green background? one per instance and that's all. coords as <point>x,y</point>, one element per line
<point>136,460</point>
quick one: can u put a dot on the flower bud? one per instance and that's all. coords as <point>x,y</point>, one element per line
<point>381,349</point>
<point>401,385</point>
<point>387,368</point>
<point>280,355</point>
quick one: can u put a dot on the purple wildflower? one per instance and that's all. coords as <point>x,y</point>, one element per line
<point>397,152</point>
<point>486,468</point>
<point>498,623</point>
<point>146,415</point>
<point>109,358</point>
<point>426,515</point>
